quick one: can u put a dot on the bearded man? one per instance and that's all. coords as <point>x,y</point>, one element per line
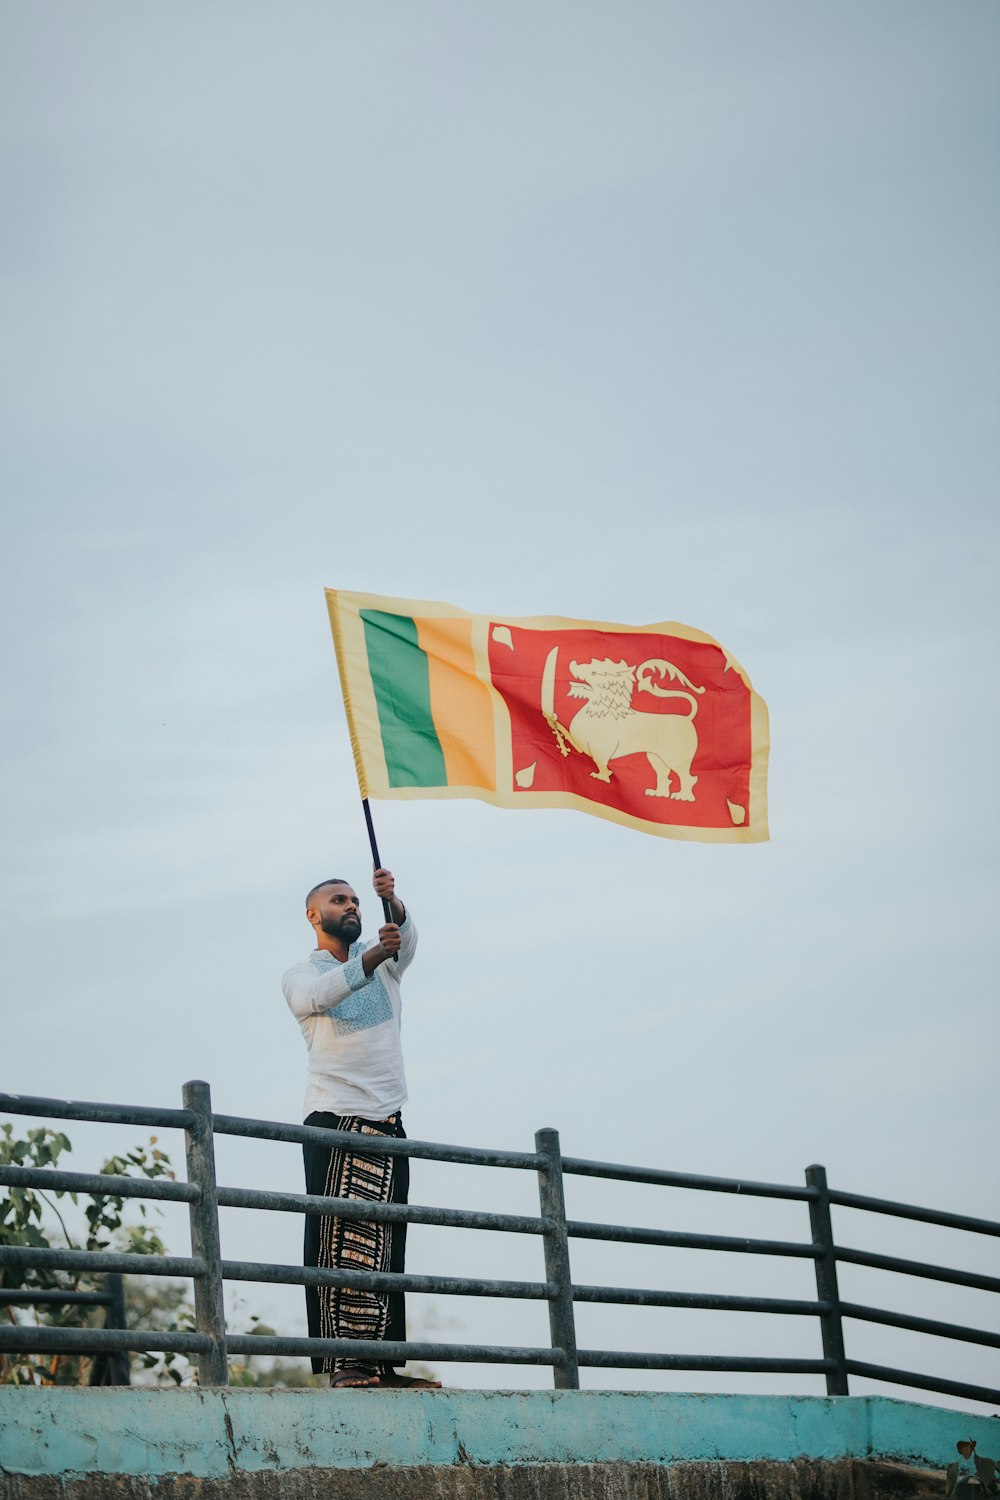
<point>346,999</point>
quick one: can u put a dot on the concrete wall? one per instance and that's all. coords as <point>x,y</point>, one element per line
<point>463,1445</point>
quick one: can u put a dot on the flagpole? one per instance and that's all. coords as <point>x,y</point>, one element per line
<point>386,908</point>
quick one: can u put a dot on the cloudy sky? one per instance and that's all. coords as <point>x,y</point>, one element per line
<point>639,312</point>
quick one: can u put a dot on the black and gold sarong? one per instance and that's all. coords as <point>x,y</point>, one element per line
<point>354,1244</point>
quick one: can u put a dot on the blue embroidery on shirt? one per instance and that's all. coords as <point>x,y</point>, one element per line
<point>366,1007</point>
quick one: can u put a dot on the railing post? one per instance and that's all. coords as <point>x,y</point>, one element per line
<point>831,1324</point>
<point>209,1315</point>
<point>562,1326</point>
<point>118,1369</point>
<point>112,1367</point>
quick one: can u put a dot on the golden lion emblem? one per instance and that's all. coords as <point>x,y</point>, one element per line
<point>607,727</point>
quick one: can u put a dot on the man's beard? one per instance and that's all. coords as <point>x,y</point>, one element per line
<point>345,928</point>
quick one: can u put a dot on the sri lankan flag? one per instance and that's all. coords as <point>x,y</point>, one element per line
<point>653,726</point>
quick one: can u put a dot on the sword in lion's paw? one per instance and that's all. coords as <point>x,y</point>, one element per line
<point>564,739</point>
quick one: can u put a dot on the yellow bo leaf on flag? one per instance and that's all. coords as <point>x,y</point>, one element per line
<point>653,726</point>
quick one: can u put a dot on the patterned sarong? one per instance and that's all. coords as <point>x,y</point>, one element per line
<point>354,1244</point>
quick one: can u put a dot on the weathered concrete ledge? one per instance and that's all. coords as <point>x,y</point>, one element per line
<point>463,1445</point>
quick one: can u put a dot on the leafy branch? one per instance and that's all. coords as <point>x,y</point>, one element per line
<point>23,1223</point>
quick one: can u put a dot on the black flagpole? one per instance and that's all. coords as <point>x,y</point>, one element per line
<point>386,908</point>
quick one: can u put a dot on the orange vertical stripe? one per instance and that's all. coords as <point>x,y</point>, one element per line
<point>460,704</point>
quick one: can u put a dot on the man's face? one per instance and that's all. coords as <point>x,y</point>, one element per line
<point>339,912</point>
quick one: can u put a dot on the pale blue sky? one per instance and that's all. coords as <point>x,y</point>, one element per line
<point>636,311</point>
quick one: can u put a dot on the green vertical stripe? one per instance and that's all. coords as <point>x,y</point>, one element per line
<point>413,755</point>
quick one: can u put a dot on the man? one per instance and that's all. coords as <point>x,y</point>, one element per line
<point>346,998</point>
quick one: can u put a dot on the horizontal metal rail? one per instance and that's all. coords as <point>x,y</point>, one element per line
<point>394,1353</point>
<point>27,1258</point>
<point>918,1268</point>
<point>625,1234</point>
<point>27,1338</point>
<point>472,1156</point>
<point>380,1213</point>
<point>920,1325</point>
<point>923,1382</point>
<point>913,1211</point>
<point>705,1301</point>
<point>43,1296</point>
<point>104,1114</point>
<point>33,1340</point>
<point>375,1281</point>
<point>616,1172</point>
<point>622,1359</point>
<point>99,1184</point>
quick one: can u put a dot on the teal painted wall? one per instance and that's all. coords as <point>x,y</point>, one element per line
<point>208,1434</point>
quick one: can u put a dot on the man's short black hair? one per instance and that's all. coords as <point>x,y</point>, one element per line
<point>334,880</point>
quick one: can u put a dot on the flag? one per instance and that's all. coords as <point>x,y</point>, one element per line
<point>656,727</point>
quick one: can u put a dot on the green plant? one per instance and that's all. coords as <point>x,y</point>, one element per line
<point>23,1222</point>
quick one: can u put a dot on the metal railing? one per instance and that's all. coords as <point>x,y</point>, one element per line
<point>111,1366</point>
<point>212,1346</point>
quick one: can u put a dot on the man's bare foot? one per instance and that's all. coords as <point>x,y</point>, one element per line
<point>356,1379</point>
<point>391,1380</point>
